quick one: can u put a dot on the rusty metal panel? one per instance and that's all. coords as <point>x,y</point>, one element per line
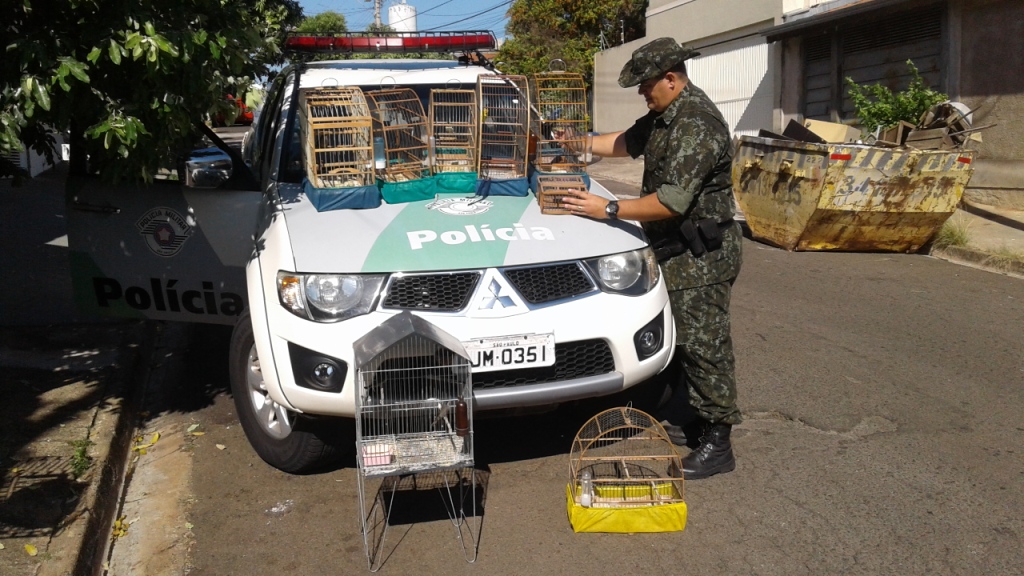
<point>802,196</point>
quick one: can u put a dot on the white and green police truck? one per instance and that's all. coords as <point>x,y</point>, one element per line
<point>550,308</point>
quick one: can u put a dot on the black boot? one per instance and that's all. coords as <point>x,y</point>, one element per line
<point>688,434</point>
<point>713,456</point>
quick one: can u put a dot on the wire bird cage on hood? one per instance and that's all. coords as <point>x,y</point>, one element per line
<point>453,128</point>
<point>398,119</point>
<point>625,476</point>
<point>560,103</point>
<point>337,139</point>
<point>504,126</point>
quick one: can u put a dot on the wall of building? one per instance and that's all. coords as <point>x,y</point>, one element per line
<point>991,61</point>
<point>690,20</point>
<point>716,27</point>
<point>615,108</point>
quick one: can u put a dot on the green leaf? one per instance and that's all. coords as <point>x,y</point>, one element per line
<point>94,55</point>
<point>136,52</point>
<point>78,70</point>
<point>42,95</point>
<point>150,30</point>
<point>115,52</point>
<point>214,49</point>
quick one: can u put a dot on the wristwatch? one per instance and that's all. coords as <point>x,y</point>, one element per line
<point>611,209</point>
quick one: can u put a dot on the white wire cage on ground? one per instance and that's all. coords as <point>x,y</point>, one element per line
<point>337,137</point>
<point>562,120</point>
<point>399,120</point>
<point>504,126</point>
<point>414,415</point>
<point>453,128</point>
<point>625,475</point>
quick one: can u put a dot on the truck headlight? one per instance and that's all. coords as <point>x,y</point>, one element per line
<point>328,297</point>
<point>631,273</point>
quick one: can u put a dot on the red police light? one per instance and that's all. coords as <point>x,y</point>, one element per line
<point>369,42</point>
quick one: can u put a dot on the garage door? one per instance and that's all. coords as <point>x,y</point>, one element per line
<point>871,51</point>
<point>735,76</point>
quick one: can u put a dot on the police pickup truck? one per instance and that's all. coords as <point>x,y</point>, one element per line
<point>550,308</point>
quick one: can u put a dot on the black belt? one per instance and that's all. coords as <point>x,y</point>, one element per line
<point>697,236</point>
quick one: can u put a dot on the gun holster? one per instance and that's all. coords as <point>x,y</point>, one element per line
<point>667,248</point>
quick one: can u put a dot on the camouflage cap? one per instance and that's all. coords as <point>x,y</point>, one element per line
<point>653,59</point>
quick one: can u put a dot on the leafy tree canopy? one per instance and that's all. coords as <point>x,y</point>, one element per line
<point>570,30</point>
<point>127,79</point>
<point>323,23</point>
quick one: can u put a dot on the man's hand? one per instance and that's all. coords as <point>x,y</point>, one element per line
<point>583,203</point>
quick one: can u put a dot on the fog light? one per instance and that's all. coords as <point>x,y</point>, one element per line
<point>649,339</point>
<point>323,372</point>
<point>317,371</point>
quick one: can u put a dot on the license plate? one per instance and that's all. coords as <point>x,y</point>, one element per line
<point>504,352</point>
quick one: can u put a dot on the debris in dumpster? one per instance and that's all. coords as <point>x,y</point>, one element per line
<point>833,131</point>
<point>797,131</point>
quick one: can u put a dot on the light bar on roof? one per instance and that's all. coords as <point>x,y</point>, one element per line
<point>370,42</point>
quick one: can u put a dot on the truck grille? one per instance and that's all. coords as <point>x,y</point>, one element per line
<point>572,360</point>
<point>437,292</point>
<point>541,284</point>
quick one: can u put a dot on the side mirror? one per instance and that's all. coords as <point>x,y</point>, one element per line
<point>207,168</point>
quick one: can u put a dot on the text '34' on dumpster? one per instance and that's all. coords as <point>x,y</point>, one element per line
<point>842,196</point>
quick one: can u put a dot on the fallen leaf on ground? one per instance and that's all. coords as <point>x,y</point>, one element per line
<point>198,433</point>
<point>2,546</point>
<point>192,428</point>
<point>31,550</point>
<point>220,446</point>
<point>120,527</point>
<point>156,437</point>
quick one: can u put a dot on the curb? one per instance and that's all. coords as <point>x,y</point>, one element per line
<point>979,259</point>
<point>106,492</point>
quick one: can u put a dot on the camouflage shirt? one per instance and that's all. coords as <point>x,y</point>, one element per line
<point>687,163</point>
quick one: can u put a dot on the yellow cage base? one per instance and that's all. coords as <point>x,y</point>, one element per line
<point>669,517</point>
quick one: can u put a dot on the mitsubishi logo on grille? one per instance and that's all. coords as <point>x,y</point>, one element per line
<point>489,301</point>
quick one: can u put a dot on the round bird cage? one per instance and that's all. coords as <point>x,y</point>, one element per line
<point>625,475</point>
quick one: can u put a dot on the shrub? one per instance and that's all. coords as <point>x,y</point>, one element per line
<point>877,105</point>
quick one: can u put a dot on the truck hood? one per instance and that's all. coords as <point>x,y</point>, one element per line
<point>451,232</point>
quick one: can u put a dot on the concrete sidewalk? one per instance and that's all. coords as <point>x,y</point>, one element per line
<point>68,381</point>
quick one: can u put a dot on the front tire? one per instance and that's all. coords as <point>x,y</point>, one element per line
<point>286,440</point>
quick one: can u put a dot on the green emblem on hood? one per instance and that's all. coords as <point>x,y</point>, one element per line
<point>431,236</point>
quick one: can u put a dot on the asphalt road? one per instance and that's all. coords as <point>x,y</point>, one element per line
<point>883,435</point>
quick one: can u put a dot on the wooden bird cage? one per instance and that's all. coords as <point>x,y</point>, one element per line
<point>453,127</point>
<point>551,189</point>
<point>337,137</point>
<point>623,461</point>
<point>504,126</point>
<point>399,120</point>
<point>562,121</point>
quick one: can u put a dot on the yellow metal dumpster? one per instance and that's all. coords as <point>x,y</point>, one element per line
<point>853,197</point>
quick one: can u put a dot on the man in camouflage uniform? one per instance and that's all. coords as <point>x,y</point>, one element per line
<point>687,160</point>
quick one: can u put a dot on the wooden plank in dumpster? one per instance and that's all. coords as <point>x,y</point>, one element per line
<point>805,196</point>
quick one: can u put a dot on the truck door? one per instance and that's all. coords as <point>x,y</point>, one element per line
<point>167,251</point>
<point>160,252</point>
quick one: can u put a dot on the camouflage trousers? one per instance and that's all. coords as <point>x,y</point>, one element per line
<point>704,351</point>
